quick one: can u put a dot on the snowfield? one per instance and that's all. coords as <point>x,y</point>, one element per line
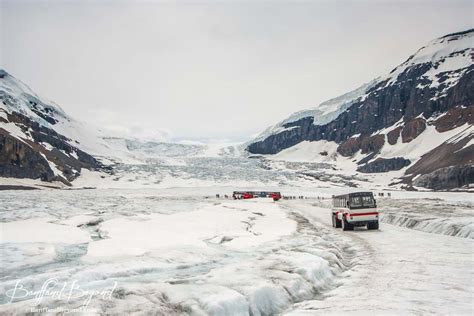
<point>402,272</point>
<point>184,251</point>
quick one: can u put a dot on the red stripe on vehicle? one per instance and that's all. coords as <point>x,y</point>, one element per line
<point>363,214</point>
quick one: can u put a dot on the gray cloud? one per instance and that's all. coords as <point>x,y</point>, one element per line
<point>221,69</point>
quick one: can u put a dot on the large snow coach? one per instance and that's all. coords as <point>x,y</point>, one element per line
<point>354,209</point>
<point>237,195</point>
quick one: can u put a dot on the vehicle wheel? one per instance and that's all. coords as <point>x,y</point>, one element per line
<point>346,225</point>
<point>374,225</point>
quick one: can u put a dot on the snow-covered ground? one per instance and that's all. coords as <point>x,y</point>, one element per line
<point>400,272</point>
<point>166,165</point>
<point>184,251</point>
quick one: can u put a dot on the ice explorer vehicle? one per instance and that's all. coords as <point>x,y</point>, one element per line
<point>354,209</point>
<point>237,195</point>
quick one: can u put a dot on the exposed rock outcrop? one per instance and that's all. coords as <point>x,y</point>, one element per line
<point>28,158</point>
<point>413,129</point>
<point>447,178</point>
<point>393,135</point>
<point>456,152</point>
<point>384,165</point>
<point>455,117</point>
<point>382,108</point>
<point>19,160</point>
<point>366,144</point>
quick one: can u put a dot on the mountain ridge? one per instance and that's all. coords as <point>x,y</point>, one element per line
<point>37,138</point>
<point>433,87</point>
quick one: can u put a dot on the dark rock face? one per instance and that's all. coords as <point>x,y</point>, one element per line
<point>446,155</point>
<point>447,178</point>
<point>384,106</point>
<point>372,144</point>
<point>23,158</point>
<point>447,166</point>
<point>367,144</point>
<point>393,135</point>
<point>455,117</point>
<point>384,165</point>
<point>412,129</point>
<point>295,134</point>
<point>19,160</point>
<point>349,147</point>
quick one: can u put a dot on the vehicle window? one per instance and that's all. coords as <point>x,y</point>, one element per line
<point>356,201</point>
<point>368,201</point>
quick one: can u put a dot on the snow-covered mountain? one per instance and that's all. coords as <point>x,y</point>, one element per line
<point>416,120</point>
<point>38,140</point>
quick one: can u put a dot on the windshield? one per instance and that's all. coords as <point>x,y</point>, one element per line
<point>356,201</point>
<point>368,201</point>
<point>362,201</point>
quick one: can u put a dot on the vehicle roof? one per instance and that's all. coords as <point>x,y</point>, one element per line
<point>353,194</point>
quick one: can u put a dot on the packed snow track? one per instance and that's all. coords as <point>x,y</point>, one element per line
<point>183,252</point>
<point>404,272</point>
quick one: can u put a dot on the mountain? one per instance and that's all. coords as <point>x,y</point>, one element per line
<point>38,140</point>
<point>418,118</point>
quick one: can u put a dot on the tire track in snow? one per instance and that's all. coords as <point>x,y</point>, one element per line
<point>350,250</point>
<point>402,271</point>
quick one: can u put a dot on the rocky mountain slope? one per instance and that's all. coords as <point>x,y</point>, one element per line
<point>418,118</point>
<point>38,140</point>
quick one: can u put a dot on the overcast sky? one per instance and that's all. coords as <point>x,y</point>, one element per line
<point>210,70</point>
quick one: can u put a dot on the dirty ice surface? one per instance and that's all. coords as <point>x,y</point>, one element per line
<point>181,251</point>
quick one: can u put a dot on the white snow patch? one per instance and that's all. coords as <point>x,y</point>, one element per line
<point>316,151</point>
<point>426,141</point>
<point>138,235</point>
<point>14,130</point>
<point>47,146</point>
<point>37,230</point>
<point>3,114</point>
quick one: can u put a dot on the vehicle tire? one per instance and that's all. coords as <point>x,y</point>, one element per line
<point>373,225</point>
<point>346,225</point>
<point>376,225</point>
